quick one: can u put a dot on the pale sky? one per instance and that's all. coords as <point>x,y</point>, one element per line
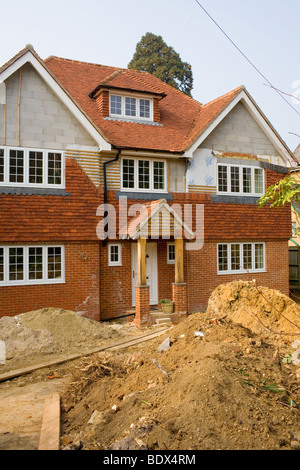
<point>106,32</point>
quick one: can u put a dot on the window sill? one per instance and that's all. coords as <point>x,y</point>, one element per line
<point>230,273</point>
<point>31,283</point>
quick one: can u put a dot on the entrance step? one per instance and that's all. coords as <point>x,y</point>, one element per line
<point>159,317</point>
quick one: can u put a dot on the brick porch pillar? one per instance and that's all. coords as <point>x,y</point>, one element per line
<point>179,293</point>
<point>142,305</point>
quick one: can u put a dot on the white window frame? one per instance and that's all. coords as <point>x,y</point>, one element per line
<point>136,179</point>
<point>241,270</point>
<point>26,183</point>
<point>138,99</point>
<point>26,280</point>
<point>170,261</point>
<point>115,263</point>
<point>240,192</point>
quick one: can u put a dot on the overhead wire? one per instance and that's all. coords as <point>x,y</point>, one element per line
<point>245,57</point>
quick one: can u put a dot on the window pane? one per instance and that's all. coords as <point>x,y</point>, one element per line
<point>235,179</point>
<point>35,261</point>
<point>36,167</point>
<point>16,166</point>
<point>223,257</point>
<point>145,108</point>
<point>114,254</point>
<point>54,262</point>
<point>128,173</point>
<point>158,175</point>
<point>222,178</point>
<point>171,253</point>
<point>235,257</point>
<point>258,179</point>
<point>54,168</point>
<point>1,264</point>
<point>1,165</point>
<point>247,180</point>
<point>130,106</point>
<point>144,174</point>
<point>247,256</point>
<point>115,104</point>
<point>259,256</point>
<point>16,264</point>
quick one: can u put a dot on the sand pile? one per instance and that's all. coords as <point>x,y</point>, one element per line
<point>41,334</point>
<point>263,310</point>
<point>215,385</point>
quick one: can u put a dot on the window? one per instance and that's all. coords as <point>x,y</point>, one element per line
<point>171,253</point>
<point>22,265</point>
<point>130,107</point>
<point>240,257</point>
<point>294,229</point>
<point>1,165</point>
<point>143,175</point>
<point>114,254</point>
<point>28,167</point>
<point>240,180</point>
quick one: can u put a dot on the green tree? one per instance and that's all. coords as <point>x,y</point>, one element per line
<point>153,55</point>
<point>285,191</point>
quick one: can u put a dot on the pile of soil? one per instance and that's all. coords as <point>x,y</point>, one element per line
<point>208,383</point>
<point>263,310</point>
<point>47,333</point>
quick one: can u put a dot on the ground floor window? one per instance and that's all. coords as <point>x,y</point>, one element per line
<point>240,257</point>
<point>114,254</point>
<point>171,253</point>
<point>31,264</point>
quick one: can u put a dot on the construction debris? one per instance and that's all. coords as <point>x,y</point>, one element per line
<point>227,388</point>
<point>224,379</point>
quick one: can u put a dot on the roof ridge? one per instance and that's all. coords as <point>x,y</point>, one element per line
<point>234,91</point>
<point>64,59</point>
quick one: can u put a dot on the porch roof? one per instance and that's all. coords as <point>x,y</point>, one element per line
<point>156,219</point>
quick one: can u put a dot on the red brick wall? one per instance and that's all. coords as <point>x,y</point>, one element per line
<point>80,292</point>
<point>202,277</point>
<point>115,283</point>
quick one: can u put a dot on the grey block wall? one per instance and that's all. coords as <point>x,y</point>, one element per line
<point>45,122</point>
<point>239,132</point>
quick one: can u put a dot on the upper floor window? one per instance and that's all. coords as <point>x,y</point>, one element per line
<point>131,107</point>
<point>31,167</point>
<point>240,180</point>
<point>143,175</point>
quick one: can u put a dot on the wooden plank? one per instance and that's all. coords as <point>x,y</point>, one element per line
<point>72,357</point>
<point>142,276</point>
<point>50,431</point>
<point>179,260</point>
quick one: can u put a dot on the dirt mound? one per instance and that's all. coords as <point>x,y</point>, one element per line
<point>263,310</point>
<point>206,384</point>
<point>42,335</point>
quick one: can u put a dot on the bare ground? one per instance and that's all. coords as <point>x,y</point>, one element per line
<point>225,381</point>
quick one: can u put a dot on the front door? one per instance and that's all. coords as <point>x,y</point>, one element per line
<point>151,269</point>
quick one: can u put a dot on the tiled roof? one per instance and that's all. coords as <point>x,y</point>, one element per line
<point>178,111</point>
<point>45,218</point>
<point>182,118</point>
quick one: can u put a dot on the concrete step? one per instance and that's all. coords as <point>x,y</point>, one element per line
<point>160,317</point>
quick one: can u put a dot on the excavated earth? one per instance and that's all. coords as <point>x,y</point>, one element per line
<point>228,378</point>
<point>218,380</point>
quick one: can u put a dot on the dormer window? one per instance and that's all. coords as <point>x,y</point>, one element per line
<point>130,107</point>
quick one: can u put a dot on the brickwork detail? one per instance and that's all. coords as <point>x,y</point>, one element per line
<point>142,305</point>
<point>79,293</point>
<point>179,295</point>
